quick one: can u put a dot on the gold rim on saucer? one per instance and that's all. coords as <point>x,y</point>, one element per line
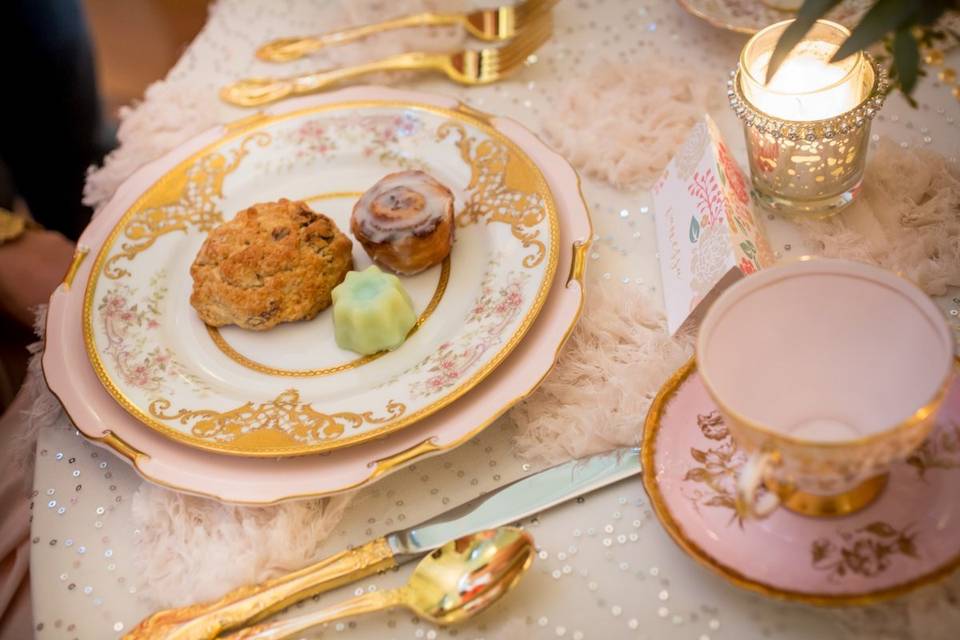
<point>734,15</point>
<point>722,14</point>
<point>694,9</point>
<point>651,429</point>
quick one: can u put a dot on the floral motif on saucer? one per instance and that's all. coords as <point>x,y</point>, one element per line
<point>909,537</point>
<point>749,16</point>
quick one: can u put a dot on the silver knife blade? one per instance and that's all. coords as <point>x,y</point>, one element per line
<point>515,501</point>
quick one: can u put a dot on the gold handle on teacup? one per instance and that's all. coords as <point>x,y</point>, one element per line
<point>759,472</point>
<point>754,475</point>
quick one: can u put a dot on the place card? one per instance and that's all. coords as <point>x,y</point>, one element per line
<point>707,234</point>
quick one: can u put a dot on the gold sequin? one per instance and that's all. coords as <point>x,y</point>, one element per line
<point>934,57</point>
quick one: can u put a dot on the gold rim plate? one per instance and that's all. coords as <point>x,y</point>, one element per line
<point>246,429</point>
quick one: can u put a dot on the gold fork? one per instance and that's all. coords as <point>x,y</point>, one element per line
<point>470,67</point>
<point>496,23</point>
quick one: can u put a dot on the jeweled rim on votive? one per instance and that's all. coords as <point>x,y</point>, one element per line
<point>810,130</point>
<point>828,175</point>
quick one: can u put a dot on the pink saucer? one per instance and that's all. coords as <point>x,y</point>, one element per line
<point>909,537</point>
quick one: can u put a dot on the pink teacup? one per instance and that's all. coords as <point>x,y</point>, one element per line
<point>827,372</point>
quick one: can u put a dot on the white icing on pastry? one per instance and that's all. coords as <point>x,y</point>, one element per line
<point>403,203</point>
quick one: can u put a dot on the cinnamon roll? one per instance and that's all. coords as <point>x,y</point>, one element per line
<point>405,222</point>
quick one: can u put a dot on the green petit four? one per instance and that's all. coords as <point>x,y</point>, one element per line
<point>371,311</point>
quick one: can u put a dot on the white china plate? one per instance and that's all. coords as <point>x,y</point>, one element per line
<point>291,390</point>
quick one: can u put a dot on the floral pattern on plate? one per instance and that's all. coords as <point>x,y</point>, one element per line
<point>179,382</point>
<point>492,314</point>
<point>263,480</point>
<point>714,479</point>
<point>390,139</point>
<point>136,354</point>
<point>908,537</point>
<point>868,550</point>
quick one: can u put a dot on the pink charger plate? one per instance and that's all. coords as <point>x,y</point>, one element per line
<point>72,379</point>
<point>907,538</point>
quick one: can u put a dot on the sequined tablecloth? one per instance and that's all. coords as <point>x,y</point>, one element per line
<point>605,569</point>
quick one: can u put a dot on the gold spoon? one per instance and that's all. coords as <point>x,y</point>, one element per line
<point>455,582</point>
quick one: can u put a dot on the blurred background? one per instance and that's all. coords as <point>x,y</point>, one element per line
<point>137,41</point>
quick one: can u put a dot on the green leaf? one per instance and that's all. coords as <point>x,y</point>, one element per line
<point>748,248</point>
<point>906,59</point>
<point>694,229</point>
<point>882,18</point>
<point>930,11</point>
<point>793,34</point>
<point>722,176</point>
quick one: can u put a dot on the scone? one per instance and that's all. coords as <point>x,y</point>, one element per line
<point>405,222</point>
<point>274,262</point>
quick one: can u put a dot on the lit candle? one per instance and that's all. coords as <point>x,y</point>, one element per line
<point>807,86</point>
<point>807,129</point>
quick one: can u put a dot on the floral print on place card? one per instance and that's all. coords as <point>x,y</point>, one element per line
<point>706,230</point>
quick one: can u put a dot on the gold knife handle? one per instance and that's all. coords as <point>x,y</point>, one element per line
<point>247,604</point>
<point>253,92</point>
<point>287,49</point>
<point>292,627</point>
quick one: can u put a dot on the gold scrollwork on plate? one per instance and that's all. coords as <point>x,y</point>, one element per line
<point>285,414</point>
<point>190,200</point>
<point>500,190</point>
<point>125,243</point>
<point>229,351</point>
